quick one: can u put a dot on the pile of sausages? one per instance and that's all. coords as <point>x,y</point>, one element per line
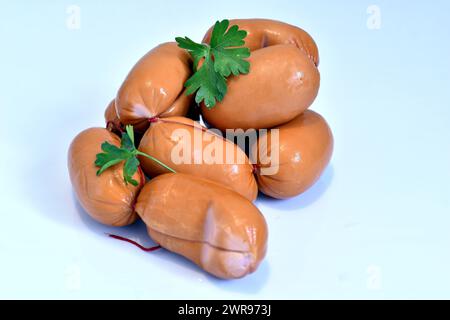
<point>205,211</point>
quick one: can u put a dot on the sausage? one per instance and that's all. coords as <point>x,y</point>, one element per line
<point>172,141</point>
<point>216,228</point>
<point>155,87</point>
<point>106,198</point>
<point>305,149</point>
<point>282,83</point>
<point>114,124</point>
<point>264,33</point>
<point>112,119</point>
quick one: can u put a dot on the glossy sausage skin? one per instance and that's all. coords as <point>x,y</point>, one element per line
<point>216,228</point>
<point>265,33</point>
<point>114,124</point>
<point>281,84</point>
<point>305,149</point>
<point>155,87</point>
<point>112,119</point>
<point>106,198</point>
<point>168,135</point>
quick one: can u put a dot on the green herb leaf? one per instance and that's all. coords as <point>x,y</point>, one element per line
<point>130,132</point>
<point>211,85</point>
<point>127,141</point>
<point>222,38</point>
<point>232,61</point>
<point>223,57</point>
<point>107,165</point>
<point>113,155</point>
<point>229,60</point>
<point>129,169</point>
<point>197,50</point>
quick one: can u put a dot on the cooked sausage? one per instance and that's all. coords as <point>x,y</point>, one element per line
<point>114,124</point>
<point>264,33</point>
<point>172,141</point>
<point>155,87</point>
<point>216,228</point>
<point>305,148</point>
<point>106,198</point>
<point>281,84</point>
<point>112,119</point>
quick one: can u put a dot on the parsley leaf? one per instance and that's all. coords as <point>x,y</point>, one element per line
<point>229,60</point>
<point>127,142</point>
<point>211,86</point>
<point>127,152</point>
<point>111,156</point>
<point>197,50</point>
<point>223,57</point>
<point>129,169</point>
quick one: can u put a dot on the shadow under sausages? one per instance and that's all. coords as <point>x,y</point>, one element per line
<point>251,284</point>
<point>305,199</point>
<point>174,262</point>
<point>135,231</point>
<point>49,190</point>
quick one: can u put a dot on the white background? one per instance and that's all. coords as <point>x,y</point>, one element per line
<point>375,226</point>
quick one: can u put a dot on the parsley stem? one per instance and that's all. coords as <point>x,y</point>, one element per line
<point>156,160</point>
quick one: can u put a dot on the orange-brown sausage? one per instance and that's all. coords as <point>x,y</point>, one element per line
<point>106,198</point>
<point>112,119</point>
<point>305,148</point>
<point>264,33</point>
<point>114,124</point>
<point>172,141</point>
<point>216,228</point>
<point>155,87</point>
<point>281,84</point>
